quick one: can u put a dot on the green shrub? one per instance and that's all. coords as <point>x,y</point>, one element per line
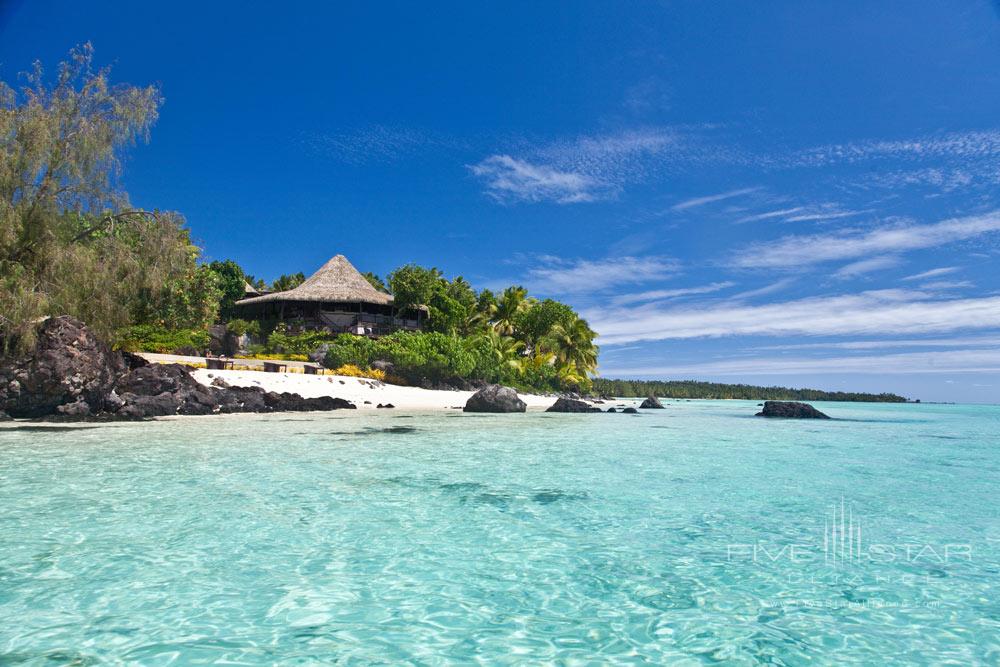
<point>240,327</point>
<point>426,356</point>
<point>541,378</point>
<point>348,349</point>
<point>152,338</point>
<point>282,342</point>
<point>486,365</point>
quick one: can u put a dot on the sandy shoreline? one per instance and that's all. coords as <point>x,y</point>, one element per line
<point>355,390</point>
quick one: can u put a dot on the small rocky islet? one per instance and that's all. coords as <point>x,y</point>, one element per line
<point>790,410</point>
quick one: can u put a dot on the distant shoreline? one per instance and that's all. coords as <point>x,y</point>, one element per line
<point>695,389</point>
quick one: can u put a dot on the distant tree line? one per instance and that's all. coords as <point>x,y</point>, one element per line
<point>696,389</point>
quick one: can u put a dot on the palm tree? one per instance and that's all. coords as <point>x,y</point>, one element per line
<point>505,350</point>
<point>476,322</point>
<point>512,302</point>
<point>569,375</point>
<point>573,346</point>
<point>536,360</point>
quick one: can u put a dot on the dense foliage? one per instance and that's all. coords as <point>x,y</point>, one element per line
<point>437,358</point>
<point>70,243</point>
<point>152,338</point>
<point>695,389</point>
<point>284,282</point>
<point>513,337</point>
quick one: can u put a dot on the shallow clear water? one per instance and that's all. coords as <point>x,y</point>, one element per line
<point>690,535</point>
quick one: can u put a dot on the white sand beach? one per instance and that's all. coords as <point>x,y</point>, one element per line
<point>362,392</point>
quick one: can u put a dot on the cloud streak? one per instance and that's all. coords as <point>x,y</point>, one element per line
<point>969,342</point>
<point>864,266</point>
<point>948,361</point>
<point>562,276</point>
<point>872,313</point>
<point>955,145</point>
<point>701,201</point>
<point>509,179</point>
<point>657,295</point>
<point>804,250</point>
<point>607,162</point>
<point>933,273</point>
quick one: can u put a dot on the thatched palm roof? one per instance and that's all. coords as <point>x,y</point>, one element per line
<point>337,280</point>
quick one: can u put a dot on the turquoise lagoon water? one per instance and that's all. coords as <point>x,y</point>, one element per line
<point>692,535</point>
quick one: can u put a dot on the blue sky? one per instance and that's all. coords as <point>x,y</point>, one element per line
<point>803,193</point>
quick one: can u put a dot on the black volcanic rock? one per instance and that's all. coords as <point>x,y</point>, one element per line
<point>495,398</point>
<point>630,411</point>
<point>68,365</point>
<point>790,410</point>
<point>652,402</point>
<point>571,405</point>
<point>72,375</point>
<point>288,402</point>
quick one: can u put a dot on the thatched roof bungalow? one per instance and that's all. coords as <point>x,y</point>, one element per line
<point>337,298</point>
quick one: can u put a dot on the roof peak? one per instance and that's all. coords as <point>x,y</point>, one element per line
<point>336,280</point>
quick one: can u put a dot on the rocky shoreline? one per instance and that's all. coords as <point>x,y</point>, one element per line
<point>72,375</point>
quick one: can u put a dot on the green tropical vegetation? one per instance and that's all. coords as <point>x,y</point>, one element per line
<point>695,389</point>
<point>286,282</point>
<point>152,338</point>
<point>471,341</point>
<point>70,241</point>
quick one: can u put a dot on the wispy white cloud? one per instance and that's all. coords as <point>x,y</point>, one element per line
<point>879,312</point>
<point>510,179</point>
<point>613,157</point>
<point>864,266</point>
<point>960,145</point>
<point>701,201</point>
<point>794,251</point>
<point>964,341</point>
<point>560,276</point>
<point>824,215</point>
<point>947,179</point>
<point>769,215</point>
<point>812,213</point>
<point>604,163</point>
<point>776,286</point>
<point>947,284</point>
<point>659,295</point>
<point>948,361</point>
<point>933,273</point>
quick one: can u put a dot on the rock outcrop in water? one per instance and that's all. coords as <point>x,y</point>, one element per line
<point>790,410</point>
<point>572,405</point>
<point>495,398</point>
<point>652,402</point>
<point>72,374</point>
